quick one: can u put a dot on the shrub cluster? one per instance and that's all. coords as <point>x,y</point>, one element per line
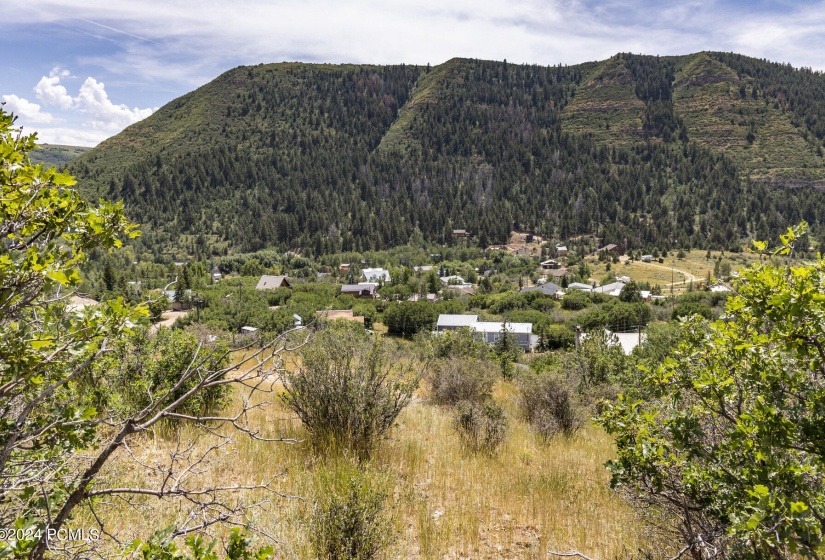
<point>549,405</point>
<point>349,519</point>
<point>348,390</point>
<point>482,427</point>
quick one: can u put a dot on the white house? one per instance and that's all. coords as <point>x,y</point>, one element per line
<point>487,331</point>
<point>376,274</point>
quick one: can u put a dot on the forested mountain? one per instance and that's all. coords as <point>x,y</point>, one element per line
<point>703,150</point>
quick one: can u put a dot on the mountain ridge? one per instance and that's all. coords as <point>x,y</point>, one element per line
<point>323,155</point>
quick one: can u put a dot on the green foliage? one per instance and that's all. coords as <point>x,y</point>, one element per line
<point>407,318</point>
<point>143,367</point>
<point>348,390</point>
<point>727,442</point>
<point>157,306</point>
<point>47,230</point>
<point>575,300</point>
<point>405,139</point>
<point>350,519</point>
<point>555,337</point>
<point>161,546</point>
<point>457,379</point>
<point>482,426</point>
<point>689,308</point>
<point>549,405</point>
<point>630,293</point>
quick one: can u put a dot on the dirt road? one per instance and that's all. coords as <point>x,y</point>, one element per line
<point>687,275</point>
<point>167,319</point>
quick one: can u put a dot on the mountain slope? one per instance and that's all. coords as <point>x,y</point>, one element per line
<point>640,150</point>
<point>56,154</point>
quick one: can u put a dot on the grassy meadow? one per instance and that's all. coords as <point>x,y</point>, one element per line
<point>529,498</point>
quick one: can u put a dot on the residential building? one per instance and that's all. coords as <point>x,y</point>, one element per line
<point>488,331</point>
<point>269,282</point>
<point>550,264</point>
<point>365,290</point>
<point>548,288</point>
<point>376,275</point>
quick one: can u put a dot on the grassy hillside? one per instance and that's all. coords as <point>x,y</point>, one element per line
<point>57,154</point>
<point>336,158</point>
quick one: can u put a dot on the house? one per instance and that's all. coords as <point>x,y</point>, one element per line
<point>459,233</point>
<point>185,302</point>
<point>422,268</point>
<point>419,297</point>
<point>612,248</point>
<point>558,273</point>
<point>269,282</point>
<point>376,274</point>
<point>453,322</point>
<point>298,320</point>
<point>551,264</point>
<point>487,331</point>
<point>364,290</point>
<point>216,274</point>
<point>455,282</point>
<point>246,331</point>
<point>344,267</point>
<point>548,288</point>
<point>490,332</point>
<point>580,286</point>
<point>561,250</point>
<point>647,258</point>
<point>628,341</point>
<point>339,315</point>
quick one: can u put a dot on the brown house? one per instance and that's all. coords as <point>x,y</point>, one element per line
<point>359,291</point>
<point>612,248</point>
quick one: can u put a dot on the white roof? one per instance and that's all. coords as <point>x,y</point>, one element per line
<point>628,341</point>
<point>719,288</point>
<point>249,329</point>
<point>561,247</point>
<point>376,273</point>
<point>457,320</point>
<point>493,327</point>
<point>611,289</point>
<point>580,286</point>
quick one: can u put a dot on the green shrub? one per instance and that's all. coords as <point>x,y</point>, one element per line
<point>461,379</point>
<point>688,308</point>
<point>549,405</point>
<point>349,519</point>
<point>575,300</point>
<point>348,390</point>
<point>408,318</point>
<point>144,366</point>
<point>482,427</point>
<point>555,337</point>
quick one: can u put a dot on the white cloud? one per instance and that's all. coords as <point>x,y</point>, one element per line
<point>50,92</point>
<point>26,110</point>
<point>94,101</point>
<point>71,136</point>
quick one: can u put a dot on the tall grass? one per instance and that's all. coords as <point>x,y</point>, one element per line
<point>528,498</point>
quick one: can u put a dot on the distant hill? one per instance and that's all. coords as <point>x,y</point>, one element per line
<point>639,150</point>
<point>56,154</point>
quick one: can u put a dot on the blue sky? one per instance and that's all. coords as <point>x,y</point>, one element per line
<point>79,71</point>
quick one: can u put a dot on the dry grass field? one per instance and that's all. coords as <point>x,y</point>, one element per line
<point>445,503</point>
<point>693,267</point>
